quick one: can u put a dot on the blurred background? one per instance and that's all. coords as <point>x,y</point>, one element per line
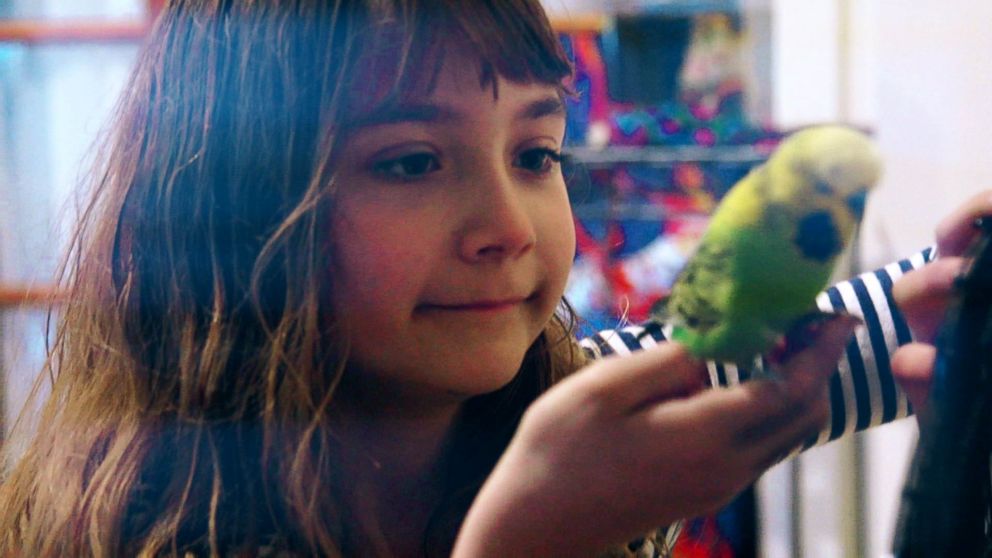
<point>678,99</point>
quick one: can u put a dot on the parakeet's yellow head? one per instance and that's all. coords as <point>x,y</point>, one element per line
<point>836,167</point>
<point>821,177</point>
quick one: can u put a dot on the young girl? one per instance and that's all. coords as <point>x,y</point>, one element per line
<point>318,286</point>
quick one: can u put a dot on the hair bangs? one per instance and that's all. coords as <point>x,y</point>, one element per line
<point>513,39</point>
<point>403,47</point>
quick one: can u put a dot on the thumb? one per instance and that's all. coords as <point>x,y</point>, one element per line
<point>923,295</point>
<point>956,231</point>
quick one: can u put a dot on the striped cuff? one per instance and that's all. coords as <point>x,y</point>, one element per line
<point>863,392</point>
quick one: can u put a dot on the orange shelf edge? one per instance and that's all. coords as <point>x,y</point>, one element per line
<point>580,23</point>
<point>102,31</point>
<point>24,297</point>
<point>71,31</point>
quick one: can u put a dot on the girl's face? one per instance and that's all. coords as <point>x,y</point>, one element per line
<point>454,235</point>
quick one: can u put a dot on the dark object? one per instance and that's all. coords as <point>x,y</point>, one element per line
<point>643,55</point>
<point>945,507</point>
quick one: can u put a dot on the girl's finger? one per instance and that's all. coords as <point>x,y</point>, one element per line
<point>788,435</point>
<point>772,416</point>
<point>818,360</point>
<point>745,423</point>
<point>956,231</point>
<point>801,397</point>
<point>923,294</point>
<point>648,376</point>
<point>912,366</point>
<point>758,403</point>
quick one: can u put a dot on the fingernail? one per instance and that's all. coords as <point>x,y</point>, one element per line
<point>815,329</point>
<point>845,320</point>
<point>842,326</point>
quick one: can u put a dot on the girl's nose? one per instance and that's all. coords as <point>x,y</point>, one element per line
<point>499,224</point>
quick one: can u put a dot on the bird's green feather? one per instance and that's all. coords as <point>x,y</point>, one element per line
<point>772,244</point>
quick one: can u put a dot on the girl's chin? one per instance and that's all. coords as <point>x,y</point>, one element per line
<point>445,387</point>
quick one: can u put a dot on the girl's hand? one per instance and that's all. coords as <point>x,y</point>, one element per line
<point>634,443</point>
<point>923,296</point>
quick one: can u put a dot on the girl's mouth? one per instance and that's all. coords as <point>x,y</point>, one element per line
<point>487,305</point>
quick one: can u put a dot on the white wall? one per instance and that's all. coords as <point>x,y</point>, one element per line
<point>934,128</point>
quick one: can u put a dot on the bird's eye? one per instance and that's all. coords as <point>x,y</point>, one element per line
<point>856,203</point>
<point>823,187</point>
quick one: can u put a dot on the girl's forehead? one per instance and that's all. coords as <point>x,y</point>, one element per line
<point>458,80</point>
<point>453,103</point>
<point>461,49</point>
<point>466,77</point>
<point>456,74</point>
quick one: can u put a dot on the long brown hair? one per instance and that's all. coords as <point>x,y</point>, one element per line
<point>195,360</point>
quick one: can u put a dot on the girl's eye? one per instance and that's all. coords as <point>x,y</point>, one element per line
<point>538,160</point>
<point>410,166</point>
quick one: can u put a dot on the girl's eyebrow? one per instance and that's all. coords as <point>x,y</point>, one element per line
<point>433,113</point>
<point>548,106</point>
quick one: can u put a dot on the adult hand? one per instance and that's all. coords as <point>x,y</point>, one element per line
<point>923,296</point>
<point>633,443</point>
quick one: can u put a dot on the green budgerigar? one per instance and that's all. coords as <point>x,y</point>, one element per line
<point>772,244</point>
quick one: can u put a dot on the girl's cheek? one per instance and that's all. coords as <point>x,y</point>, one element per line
<point>561,234</point>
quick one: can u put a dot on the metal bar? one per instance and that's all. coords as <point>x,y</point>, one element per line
<point>667,155</point>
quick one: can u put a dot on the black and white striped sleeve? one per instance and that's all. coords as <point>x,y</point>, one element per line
<point>863,392</point>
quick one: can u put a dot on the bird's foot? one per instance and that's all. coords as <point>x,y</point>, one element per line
<point>802,335</point>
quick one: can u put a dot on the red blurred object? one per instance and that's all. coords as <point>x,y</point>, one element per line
<point>154,7</point>
<point>702,540</point>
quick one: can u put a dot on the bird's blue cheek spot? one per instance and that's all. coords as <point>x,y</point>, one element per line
<point>818,238</point>
<point>856,203</point>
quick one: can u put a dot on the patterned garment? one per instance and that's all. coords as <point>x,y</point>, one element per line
<point>863,392</point>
